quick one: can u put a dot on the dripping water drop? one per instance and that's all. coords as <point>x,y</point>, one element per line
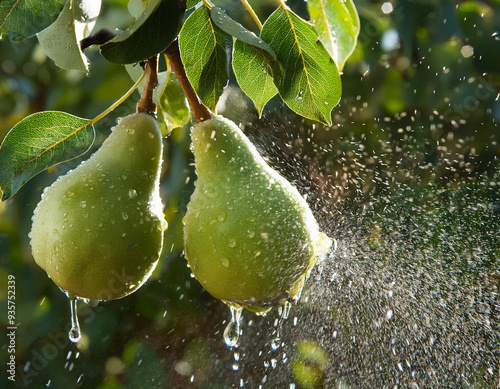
<point>236,364</point>
<point>74,333</point>
<point>232,331</point>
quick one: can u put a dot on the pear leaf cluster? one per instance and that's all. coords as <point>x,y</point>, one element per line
<point>296,59</point>
<point>290,56</point>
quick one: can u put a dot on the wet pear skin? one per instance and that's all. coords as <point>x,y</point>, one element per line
<point>249,236</point>
<point>98,230</point>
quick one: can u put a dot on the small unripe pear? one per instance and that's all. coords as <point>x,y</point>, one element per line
<point>249,236</point>
<point>98,230</point>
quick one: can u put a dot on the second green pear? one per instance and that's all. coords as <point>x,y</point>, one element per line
<point>249,236</point>
<point>98,230</point>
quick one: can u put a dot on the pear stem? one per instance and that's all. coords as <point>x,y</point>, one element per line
<point>146,103</point>
<point>199,110</point>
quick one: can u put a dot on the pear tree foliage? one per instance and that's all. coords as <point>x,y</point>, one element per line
<point>300,60</point>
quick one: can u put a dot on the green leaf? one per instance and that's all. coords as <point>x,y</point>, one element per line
<point>232,27</point>
<point>337,23</point>
<point>38,142</point>
<point>253,70</point>
<point>308,80</point>
<point>203,51</point>
<point>137,7</point>
<point>149,35</point>
<point>192,3</point>
<point>21,19</point>
<point>61,40</point>
<point>173,105</point>
<point>252,58</point>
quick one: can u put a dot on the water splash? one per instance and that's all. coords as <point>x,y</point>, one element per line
<point>74,333</point>
<point>284,312</point>
<point>236,364</point>
<point>232,331</point>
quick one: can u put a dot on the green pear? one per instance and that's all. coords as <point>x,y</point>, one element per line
<point>249,236</point>
<point>98,230</point>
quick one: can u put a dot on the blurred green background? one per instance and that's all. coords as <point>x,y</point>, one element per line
<point>407,180</point>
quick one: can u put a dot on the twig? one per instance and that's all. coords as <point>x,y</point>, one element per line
<point>146,103</point>
<point>200,111</point>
